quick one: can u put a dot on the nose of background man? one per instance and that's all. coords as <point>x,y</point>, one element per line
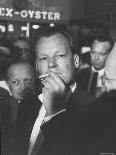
<point>22,85</point>
<point>97,57</point>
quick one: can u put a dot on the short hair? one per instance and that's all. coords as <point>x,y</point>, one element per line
<point>52,31</point>
<point>104,38</point>
<point>21,62</point>
<point>22,39</point>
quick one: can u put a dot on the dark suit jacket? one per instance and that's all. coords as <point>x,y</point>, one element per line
<point>87,127</point>
<point>8,111</point>
<point>100,125</point>
<point>83,77</point>
<point>15,117</point>
<point>106,118</point>
<point>61,131</point>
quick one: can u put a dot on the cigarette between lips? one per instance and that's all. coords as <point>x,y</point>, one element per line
<point>43,76</point>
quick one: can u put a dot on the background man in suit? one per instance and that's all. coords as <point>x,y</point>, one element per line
<point>61,98</point>
<point>21,83</point>
<point>90,79</point>
<point>25,50</point>
<point>20,79</point>
<point>103,115</point>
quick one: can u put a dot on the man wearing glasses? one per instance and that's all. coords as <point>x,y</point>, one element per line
<point>25,51</point>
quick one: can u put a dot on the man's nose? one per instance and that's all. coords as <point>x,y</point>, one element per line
<point>52,63</point>
<point>22,85</point>
<point>97,56</point>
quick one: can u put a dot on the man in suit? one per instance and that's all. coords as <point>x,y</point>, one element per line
<point>25,50</point>
<point>103,116</point>
<point>20,79</point>
<point>61,99</point>
<point>90,78</point>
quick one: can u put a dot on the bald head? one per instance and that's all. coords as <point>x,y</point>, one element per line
<point>110,70</point>
<point>20,79</point>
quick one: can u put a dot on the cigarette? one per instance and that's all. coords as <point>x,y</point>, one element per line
<point>43,76</point>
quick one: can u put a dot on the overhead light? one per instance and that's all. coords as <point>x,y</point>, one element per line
<point>26,28</point>
<point>52,24</point>
<point>23,28</point>
<point>35,27</point>
<point>2,28</point>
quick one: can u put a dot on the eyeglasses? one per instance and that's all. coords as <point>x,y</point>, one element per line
<point>24,50</point>
<point>27,81</point>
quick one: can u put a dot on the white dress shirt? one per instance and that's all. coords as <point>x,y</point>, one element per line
<point>4,85</point>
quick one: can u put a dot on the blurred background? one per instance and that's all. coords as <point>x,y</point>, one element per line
<point>84,18</point>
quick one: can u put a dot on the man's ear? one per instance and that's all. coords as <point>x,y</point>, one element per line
<point>76,60</point>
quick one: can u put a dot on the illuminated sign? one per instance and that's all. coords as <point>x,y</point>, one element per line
<point>30,14</point>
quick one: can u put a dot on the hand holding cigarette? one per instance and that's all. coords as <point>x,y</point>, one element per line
<point>54,92</point>
<point>42,77</point>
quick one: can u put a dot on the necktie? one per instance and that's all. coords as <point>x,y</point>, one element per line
<point>98,92</point>
<point>93,83</point>
<point>40,139</point>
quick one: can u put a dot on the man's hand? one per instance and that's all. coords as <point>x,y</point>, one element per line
<point>54,93</point>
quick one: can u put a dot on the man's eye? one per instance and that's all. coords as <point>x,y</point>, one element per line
<point>43,59</point>
<point>26,80</point>
<point>103,54</point>
<point>16,83</point>
<point>60,55</point>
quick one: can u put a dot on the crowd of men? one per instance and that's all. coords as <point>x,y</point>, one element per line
<point>48,106</point>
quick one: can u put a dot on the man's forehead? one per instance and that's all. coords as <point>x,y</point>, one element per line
<point>22,43</point>
<point>101,45</point>
<point>54,39</point>
<point>19,68</point>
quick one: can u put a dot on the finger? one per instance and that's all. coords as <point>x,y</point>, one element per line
<point>52,82</point>
<point>46,84</point>
<point>58,79</point>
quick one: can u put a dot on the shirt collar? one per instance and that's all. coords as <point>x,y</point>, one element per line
<point>100,72</point>
<point>4,85</point>
<point>73,87</point>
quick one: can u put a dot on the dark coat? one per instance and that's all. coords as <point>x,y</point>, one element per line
<point>15,117</point>
<point>84,128</point>
<point>100,125</point>
<point>107,120</point>
<point>61,131</point>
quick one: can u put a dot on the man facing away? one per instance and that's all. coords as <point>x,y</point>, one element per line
<point>90,79</point>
